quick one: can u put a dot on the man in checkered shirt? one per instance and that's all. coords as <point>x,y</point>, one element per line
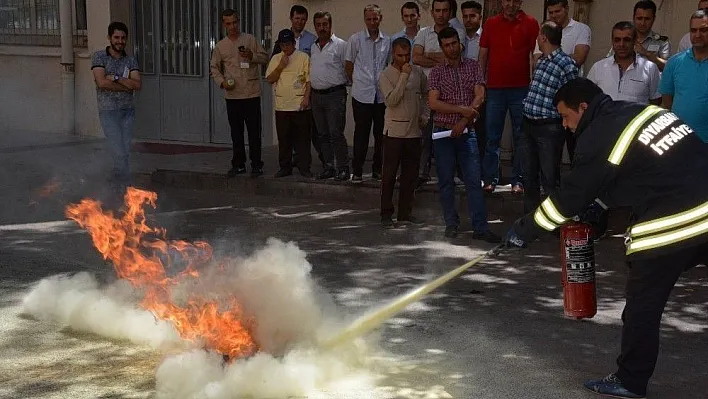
<point>456,91</point>
<point>544,134</point>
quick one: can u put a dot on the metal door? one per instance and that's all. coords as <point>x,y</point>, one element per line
<point>255,17</point>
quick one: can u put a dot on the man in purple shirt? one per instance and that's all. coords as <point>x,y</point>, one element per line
<point>456,91</point>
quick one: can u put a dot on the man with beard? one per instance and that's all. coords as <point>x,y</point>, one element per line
<point>427,54</point>
<point>117,77</point>
<point>625,76</point>
<point>329,97</point>
<point>646,158</point>
<point>456,91</point>
<point>650,45</point>
<point>235,67</point>
<point>506,46</point>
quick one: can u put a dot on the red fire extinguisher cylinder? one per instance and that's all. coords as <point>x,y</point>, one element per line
<point>578,271</point>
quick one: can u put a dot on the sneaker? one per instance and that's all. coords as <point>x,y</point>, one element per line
<point>342,175</point>
<point>451,231</point>
<point>411,220</point>
<point>327,174</point>
<point>376,176</point>
<point>610,386</point>
<point>235,171</point>
<point>517,189</point>
<point>306,174</point>
<point>357,179</point>
<point>255,172</point>
<point>487,236</point>
<point>387,222</point>
<point>283,173</point>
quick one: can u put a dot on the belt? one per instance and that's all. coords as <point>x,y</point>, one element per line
<point>544,121</point>
<point>330,89</point>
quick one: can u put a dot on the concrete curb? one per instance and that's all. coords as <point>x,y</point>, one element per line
<point>320,190</point>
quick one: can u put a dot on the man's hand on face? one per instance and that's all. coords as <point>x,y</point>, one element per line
<point>407,68</point>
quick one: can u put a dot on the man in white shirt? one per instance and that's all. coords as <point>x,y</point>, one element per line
<point>685,43</point>
<point>626,76</point>
<point>472,19</point>
<point>576,35</point>
<point>427,54</point>
<point>368,52</point>
<point>329,97</point>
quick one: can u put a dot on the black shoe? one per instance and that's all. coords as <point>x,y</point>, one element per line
<point>235,171</point>
<point>283,173</point>
<point>411,220</point>
<point>327,174</point>
<point>255,172</point>
<point>376,175</point>
<point>342,175</point>
<point>387,222</point>
<point>487,236</point>
<point>306,174</point>
<point>422,180</point>
<point>357,179</point>
<point>451,231</point>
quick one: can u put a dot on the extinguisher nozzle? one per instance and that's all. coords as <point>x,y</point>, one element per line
<point>496,250</point>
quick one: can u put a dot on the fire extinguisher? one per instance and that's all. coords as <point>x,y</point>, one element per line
<point>578,275</point>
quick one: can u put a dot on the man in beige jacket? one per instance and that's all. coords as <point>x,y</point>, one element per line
<point>235,69</point>
<point>403,87</point>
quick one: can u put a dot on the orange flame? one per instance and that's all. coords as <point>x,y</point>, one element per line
<point>138,251</point>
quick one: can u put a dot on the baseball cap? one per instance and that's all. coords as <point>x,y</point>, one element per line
<point>286,36</point>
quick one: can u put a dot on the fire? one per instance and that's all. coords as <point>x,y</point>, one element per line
<point>141,255</point>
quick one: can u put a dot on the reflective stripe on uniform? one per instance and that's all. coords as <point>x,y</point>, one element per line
<point>631,131</point>
<point>552,212</point>
<point>670,222</point>
<point>661,240</point>
<point>540,218</point>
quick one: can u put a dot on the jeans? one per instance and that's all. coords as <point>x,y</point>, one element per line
<point>364,116</point>
<point>544,148</point>
<point>499,101</point>
<point>329,112</point>
<point>462,151</point>
<point>245,111</point>
<point>118,128</point>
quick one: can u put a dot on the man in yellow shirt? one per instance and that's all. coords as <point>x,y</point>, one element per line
<point>289,72</point>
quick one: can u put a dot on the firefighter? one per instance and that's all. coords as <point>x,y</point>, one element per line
<point>646,158</point>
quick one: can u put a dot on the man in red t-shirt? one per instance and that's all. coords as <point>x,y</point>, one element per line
<point>506,47</point>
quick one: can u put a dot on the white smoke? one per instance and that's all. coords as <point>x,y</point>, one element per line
<point>273,285</point>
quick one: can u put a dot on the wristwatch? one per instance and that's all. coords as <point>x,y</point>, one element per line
<point>116,78</point>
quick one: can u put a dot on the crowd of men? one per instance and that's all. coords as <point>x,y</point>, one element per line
<point>444,91</point>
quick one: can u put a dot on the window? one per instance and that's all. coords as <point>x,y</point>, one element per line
<point>36,22</point>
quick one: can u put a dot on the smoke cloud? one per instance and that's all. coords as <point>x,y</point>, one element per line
<point>274,287</point>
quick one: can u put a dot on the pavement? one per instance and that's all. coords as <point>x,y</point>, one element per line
<point>497,331</point>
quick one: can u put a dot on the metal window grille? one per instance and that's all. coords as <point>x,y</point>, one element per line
<point>36,22</point>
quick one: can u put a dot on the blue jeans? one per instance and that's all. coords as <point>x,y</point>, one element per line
<point>118,128</point>
<point>462,151</point>
<point>499,101</point>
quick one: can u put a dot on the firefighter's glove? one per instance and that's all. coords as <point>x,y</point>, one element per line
<point>592,214</point>
<point>515,237</point>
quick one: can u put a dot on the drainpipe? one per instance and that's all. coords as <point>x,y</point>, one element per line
<point>66,18</point>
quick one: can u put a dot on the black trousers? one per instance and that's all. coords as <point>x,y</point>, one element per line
<point>364,116</point>
<point>406,154</point>
<point>426,152</point>
<point>293,128</point>
<point>649,284</point>
<point>245,111</point>
<point>543,143</point>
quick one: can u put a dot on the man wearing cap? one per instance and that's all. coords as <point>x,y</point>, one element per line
<point>289,72</point>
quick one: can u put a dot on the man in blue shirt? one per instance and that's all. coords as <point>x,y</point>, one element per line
<point>543,128</point>
<point>410,15</point>
<point>684,83</point>
<point>304,39</point>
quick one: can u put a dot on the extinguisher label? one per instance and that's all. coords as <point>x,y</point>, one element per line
<point>580,263</point>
